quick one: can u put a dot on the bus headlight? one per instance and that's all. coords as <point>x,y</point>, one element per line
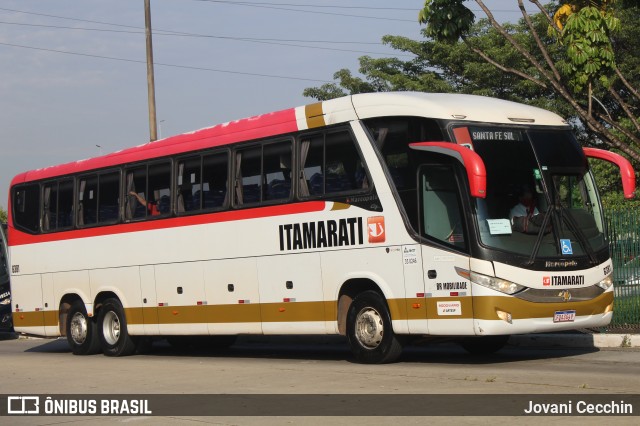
<point>606,283</point>
<point>497,284</point>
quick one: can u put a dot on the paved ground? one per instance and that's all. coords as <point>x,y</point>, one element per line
<point>299,366</point>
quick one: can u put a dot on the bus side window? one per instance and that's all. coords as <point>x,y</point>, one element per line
<point>189,190</point>
<point>64,215</point>
<point>49,207</point>
<point>276,166</point>
<point>26,205</point>
<point>136,183</point>
<point>330,164</point>
<point>108,197</point>
<point>159,192</point>
<point>248,179</point>
<point>215,175</point>
<point>344,167</point>
<point>88,201</point>
<point>311,179</point>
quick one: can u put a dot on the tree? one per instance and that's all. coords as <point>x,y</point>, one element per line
<point>3,215</point>
<point>584,71</point>
<point>524,62</point>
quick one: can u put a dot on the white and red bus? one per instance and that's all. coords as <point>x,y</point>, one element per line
<point>376,216</point>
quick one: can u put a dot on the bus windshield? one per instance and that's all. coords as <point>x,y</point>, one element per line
<point>541,197</point>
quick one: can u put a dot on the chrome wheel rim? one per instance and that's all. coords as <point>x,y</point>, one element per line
<point>111,328</point>
<point>78,328</point>
<point>369,328</point>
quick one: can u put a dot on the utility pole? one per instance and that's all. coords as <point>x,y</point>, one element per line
<point>153,127</point>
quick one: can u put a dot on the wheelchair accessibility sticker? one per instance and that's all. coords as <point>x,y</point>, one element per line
<point>565,246</point>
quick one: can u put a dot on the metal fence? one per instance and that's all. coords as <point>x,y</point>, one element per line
<point>624,237</point>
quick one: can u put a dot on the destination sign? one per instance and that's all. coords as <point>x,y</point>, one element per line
<point>489,134</point>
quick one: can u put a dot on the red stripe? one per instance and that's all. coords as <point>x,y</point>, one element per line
<point>16,237</point>
<point>262,126</point>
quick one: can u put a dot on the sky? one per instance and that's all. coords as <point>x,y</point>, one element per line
<point>73,79</point>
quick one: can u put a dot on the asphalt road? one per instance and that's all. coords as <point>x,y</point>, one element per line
<point>316,366</point>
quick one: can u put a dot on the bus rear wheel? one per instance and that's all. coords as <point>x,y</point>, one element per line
<point>112,329</point>
<point>369,330</point>
<point>81,331</point>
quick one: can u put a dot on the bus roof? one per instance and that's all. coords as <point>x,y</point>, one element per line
<point>432,105</point>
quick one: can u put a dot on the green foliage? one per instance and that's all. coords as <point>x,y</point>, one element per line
<point>446,20</point>
<point>587,37</point>
<point>3,215</point>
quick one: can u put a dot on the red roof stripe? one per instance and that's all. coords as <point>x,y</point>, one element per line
<point>262,126</point>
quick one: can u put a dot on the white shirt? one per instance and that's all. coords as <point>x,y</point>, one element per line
<point>520,210</point>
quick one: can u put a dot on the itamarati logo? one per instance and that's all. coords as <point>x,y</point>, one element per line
<point>562,280</point>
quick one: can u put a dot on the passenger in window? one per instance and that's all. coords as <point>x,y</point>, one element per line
<point>152,206</point>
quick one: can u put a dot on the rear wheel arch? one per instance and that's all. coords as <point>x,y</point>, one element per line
<point>63,310</point>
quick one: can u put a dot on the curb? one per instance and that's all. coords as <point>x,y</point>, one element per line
<point>576,340</point>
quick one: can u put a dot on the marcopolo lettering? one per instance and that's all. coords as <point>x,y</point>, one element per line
<point>324,233</point>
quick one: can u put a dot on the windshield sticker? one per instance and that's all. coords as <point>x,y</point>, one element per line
<point>479,134</point>
<point>499,226</point>
<point>565,246</point>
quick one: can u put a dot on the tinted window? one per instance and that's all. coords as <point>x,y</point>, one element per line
<point>108,197</point>
<point>26,207</point>
<point>202,182</point>
<point>148,191</point>
<point>330,164</point>
<point>215,175</point>
<point>263,173</point>
<point>57,205</point>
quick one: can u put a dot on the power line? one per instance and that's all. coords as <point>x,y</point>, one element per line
<point>277,42</point>
<point>89,55</point>
<point>274,7</point>
<point>171,32</point>
<point>326,6</point>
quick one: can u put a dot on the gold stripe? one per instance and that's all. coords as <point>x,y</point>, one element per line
<point>314,115</point>
<point>134,316</point>
<point>339,206</point>
<point>28,319</point>
<point>478,307</point>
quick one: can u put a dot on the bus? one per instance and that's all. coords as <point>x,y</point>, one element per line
<point>380,217</point>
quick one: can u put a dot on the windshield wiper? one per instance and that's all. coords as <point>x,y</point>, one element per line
<point>536,246</point>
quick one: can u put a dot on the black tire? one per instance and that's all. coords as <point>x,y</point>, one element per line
<point>112,330</point>
<point>369,330</point>
<point>484,345</point>
<point>81,329</point>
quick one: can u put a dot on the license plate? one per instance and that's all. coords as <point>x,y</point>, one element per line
<point>564,316</point>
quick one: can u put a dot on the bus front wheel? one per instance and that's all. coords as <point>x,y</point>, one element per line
<point>369,330</point>
<point>81,331</point>
<point>112,328</point>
